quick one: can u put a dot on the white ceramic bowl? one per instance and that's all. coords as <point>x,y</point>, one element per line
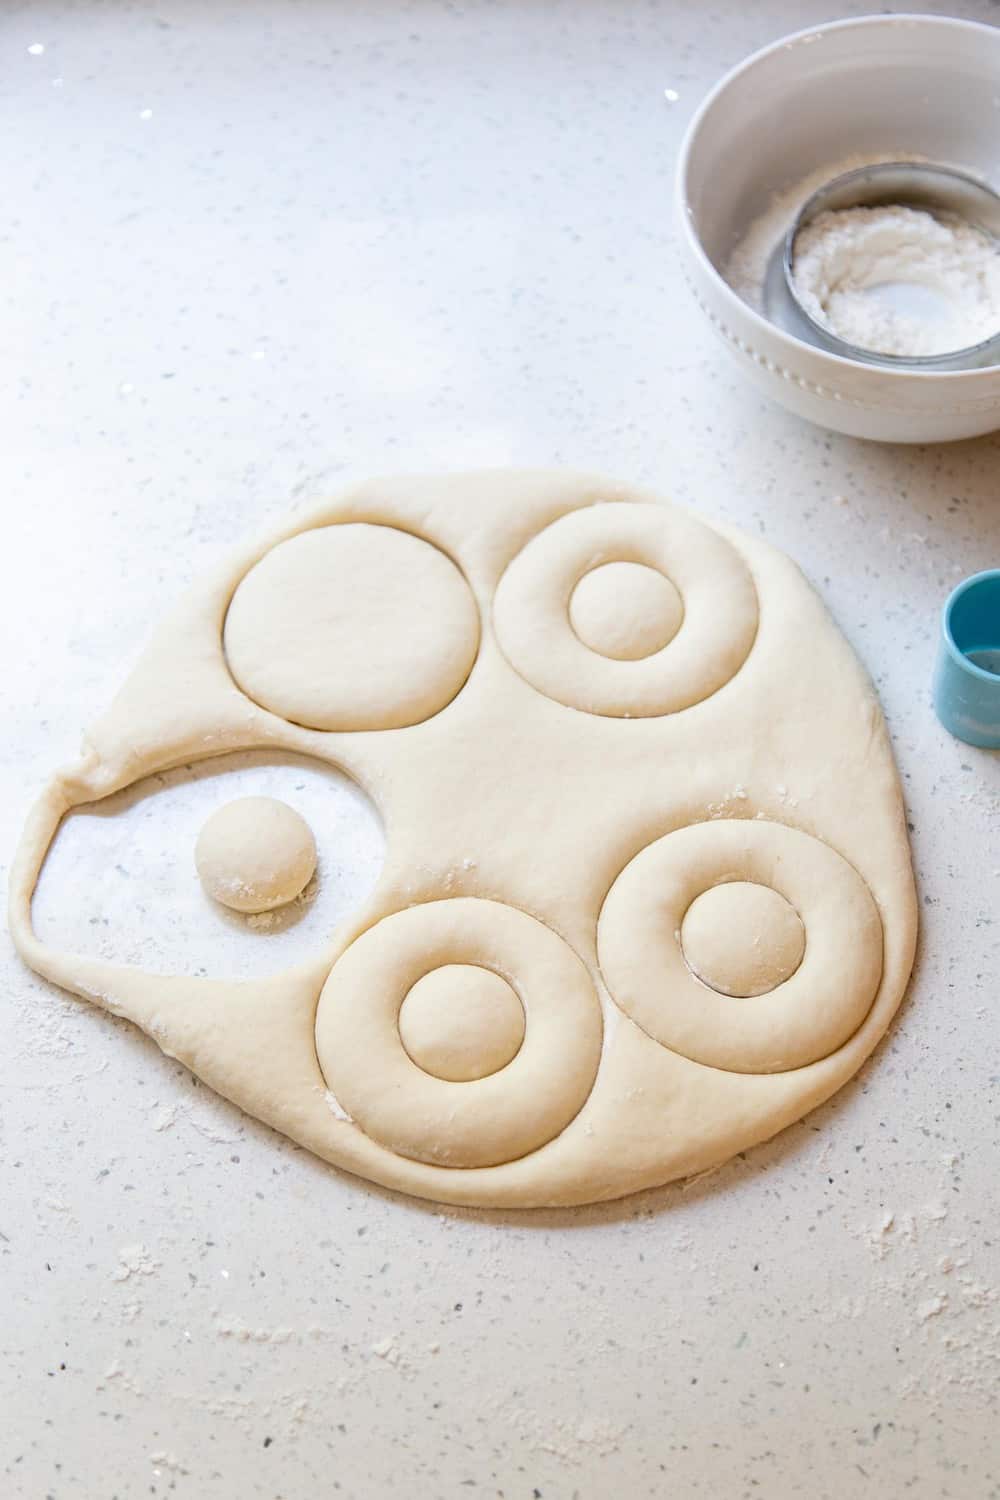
<point>895,85</point>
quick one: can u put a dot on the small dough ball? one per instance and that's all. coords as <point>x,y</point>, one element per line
<point>742,939</point>
<point>254,854</point>
<point>625,610</point>
<point>461,1022</point>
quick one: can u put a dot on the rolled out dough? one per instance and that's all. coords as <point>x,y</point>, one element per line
<point>647,896</point>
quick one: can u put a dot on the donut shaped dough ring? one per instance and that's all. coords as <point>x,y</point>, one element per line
<point>801,1020</point>
<point>531,613</point>
<point>494,1119</point>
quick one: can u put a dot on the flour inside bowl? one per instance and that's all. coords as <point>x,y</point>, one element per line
<point>889,280</point>
<point>747,267</point>
<point>899,280</point>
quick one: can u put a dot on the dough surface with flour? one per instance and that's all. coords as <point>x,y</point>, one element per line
<point>647,895</point>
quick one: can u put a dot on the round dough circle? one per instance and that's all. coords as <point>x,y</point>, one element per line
<point>742,939</point>
<point>494,1119</point>
<point>462,1022</point>
<point>803,1019</point>
<point>625,610</point>
<point>352,626</point>
<point>255,853</point>
<point>531,610</point>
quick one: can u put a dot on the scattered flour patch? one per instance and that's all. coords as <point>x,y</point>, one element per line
<point>243,1333</point>
<point>134,1260</point>
<point>161,1459</point>
<point>335,1107</point>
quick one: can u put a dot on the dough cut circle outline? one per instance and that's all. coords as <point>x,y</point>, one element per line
<point>625,610</point>
<point>742,939</point>
<point>494,1119</point>
<point>462,1022</point>
<point>531,611</point>
<point>351,626</point>
<point>801,1020</point>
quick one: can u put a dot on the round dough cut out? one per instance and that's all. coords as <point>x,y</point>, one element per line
<point>742,939</point>
<point>352,626</point>
<point>254,854</point>
<point>802,1019</point>
<point>625,610</point>
<point>462,1022</point>
<point>533,608</point>
<point>493,1119</point>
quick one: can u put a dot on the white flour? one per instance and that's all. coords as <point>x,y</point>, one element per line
<point>899,280</point>
<point>746,269</point>
<point>915,321</point>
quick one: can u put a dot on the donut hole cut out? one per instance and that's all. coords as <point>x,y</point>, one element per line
<point>625,610</point>
<point>255,854</point>
<point>742,939</point>
<point>462,1022</point>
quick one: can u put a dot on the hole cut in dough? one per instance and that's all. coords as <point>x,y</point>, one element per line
<point>462,1022</point>
<point>137,900</point>
<point>625,610</point>
<point>255,854</point>
<point>742,939</point>
<point>353,626</point>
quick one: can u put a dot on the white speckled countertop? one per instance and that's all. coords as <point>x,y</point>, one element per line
<point>251,250</point>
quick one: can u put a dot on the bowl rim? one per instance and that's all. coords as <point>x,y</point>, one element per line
<point>834,362</point>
